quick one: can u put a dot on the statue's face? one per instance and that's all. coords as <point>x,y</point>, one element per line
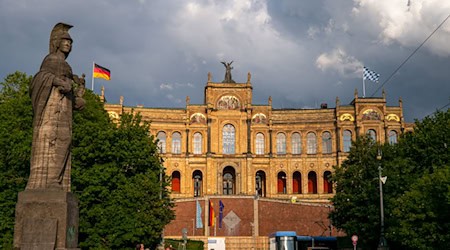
<point>65,45</point>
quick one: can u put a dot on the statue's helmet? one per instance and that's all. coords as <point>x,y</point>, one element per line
<point>60,31</point>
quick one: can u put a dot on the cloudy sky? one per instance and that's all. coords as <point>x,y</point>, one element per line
<point>302,53</point>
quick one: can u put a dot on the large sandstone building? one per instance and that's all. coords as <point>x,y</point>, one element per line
<point>231,149</point>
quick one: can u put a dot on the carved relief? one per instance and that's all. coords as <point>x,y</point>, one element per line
<point>259,119</point>
<point>371,114</point>
<point>392,117</point>
<point>228,102</point>
<point>113,115</point>
<point>198,118</point>
<point>347,117</point>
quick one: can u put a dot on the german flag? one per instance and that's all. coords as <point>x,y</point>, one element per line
<point>211,216</point>
<point>101,72</point>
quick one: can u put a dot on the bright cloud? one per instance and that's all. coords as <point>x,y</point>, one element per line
<point>338,60</point>
<point>409,22</point>
<point>227,29</point>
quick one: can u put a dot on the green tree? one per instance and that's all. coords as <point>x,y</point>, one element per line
<point>423,213</point>
<point>416,194</point>
<point>356,203</point>
<point>420,217</point>
<point>15,141</point>
<point>115,171</point>
<point>116,175</point>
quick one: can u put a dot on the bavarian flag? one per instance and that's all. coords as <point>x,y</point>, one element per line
<point>101,72</point>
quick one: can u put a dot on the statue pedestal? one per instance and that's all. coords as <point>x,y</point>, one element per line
<point>46,219</point>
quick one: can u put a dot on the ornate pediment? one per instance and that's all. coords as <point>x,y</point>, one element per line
<point>197,118</point>
<point>392,117</point>
<point>259,118</point>
<point>113,115</point>
<point>346,117</point>
<point>371,114</point>
<point>228,102</point>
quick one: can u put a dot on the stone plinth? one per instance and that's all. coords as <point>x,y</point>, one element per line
<point>46,219</point>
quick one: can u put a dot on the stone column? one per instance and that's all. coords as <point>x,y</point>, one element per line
<point>187,142</point>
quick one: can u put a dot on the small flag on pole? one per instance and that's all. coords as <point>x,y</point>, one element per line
<point>221,207</point>
<point>198,217</point>
<point>212,216</point>
<point>101,72</point>
<point>370,75</point>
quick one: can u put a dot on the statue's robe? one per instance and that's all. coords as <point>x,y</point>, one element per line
<point>52,126</point>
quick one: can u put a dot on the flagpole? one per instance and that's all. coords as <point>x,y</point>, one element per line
<point>215,226</point>
<point>364,86</point>
<point>93,66</point>
<point>206,216</point>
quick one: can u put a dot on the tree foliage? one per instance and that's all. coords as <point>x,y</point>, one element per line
<point>116,171</point>
<point>423,213</point>
<point>420,214</point>
<point>356,201</point>
<point>416,194</point>
<point>116,176</point>
<point>15,141</point>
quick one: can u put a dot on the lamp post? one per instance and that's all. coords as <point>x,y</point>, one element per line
<point>383,243</point>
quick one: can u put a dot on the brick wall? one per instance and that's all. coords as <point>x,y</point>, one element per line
<point>238,213</point>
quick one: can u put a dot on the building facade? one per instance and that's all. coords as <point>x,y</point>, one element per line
<point>230,146</point>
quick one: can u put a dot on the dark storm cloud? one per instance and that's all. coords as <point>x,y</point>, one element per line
<point>301,53</point>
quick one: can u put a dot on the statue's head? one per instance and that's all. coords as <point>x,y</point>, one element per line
<point>59,32</point>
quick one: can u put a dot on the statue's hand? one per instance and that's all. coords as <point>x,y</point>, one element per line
<point>80,80</point>
<point>80,83</point>
<point>66,87</point>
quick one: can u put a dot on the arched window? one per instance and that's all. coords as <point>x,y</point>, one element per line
<point>229,181</point>
<point>198,140</point>
<point>281,144</point>
<point>281,183</point>
<point>311,143</point>
<point>176,182</point>
<point>296,144</point>
<point>327,185</point>
<point>259,143</point>
<point>228,139</point>
<point>197,179</point>
<point>372,134</point>
<point>161,142</point>
<point>312,183</point>
<point>347,140</point>
<point>176,143</point>
<point>297,183</point>
<point>326,143</point>
<point>260,183</point>
<point>393,137</point>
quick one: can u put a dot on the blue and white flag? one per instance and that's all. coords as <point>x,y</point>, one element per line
<point>370,75</point>
<point>198,216</point>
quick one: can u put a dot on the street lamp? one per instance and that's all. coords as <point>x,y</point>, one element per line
<point>383,243</point>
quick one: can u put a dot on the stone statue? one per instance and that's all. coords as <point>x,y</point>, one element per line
<point>54,92</point>
<point>228,69</point>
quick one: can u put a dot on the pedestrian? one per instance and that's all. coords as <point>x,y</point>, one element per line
<point>140,246</point>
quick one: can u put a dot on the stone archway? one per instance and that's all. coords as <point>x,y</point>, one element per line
<point>229,181</point>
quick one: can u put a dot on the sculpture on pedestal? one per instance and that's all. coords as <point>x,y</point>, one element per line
<point>55,92</point>
<point>228,69</point>
<point>47,212</point>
